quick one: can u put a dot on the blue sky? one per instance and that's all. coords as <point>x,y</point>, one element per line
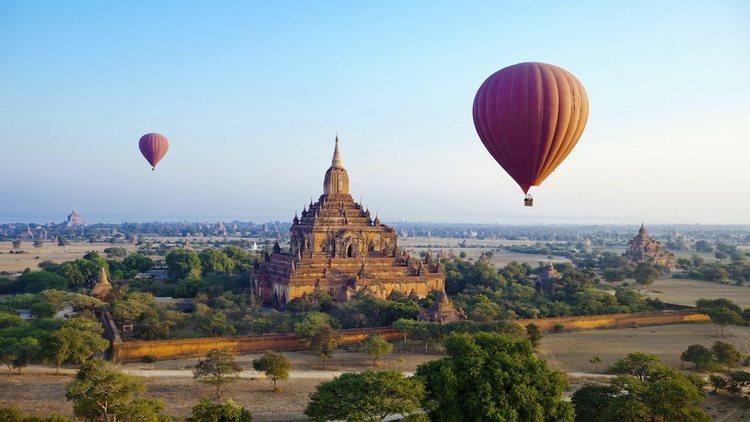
<point>251,95</point>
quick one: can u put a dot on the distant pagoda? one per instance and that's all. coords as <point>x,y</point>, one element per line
<point>644,248</point>
<point>336,247</point>
<point>74,221</point>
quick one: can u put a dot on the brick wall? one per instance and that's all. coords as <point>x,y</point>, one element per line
<point>194,347</point>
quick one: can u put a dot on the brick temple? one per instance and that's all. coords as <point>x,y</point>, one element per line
<point>336,247</point>
<point>644,248</point>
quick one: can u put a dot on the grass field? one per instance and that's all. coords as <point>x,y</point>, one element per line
<point>687,291</point>
<point>15,263</point>
<point>475,247</point>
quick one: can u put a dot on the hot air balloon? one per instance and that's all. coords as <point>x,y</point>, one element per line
<point>529,117</point>
<point>153,147</point>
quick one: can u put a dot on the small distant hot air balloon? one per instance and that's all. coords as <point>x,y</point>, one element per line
<point>153,147</point>
<point>529,117</point>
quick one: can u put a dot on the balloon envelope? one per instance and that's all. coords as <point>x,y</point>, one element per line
<point>529,117</point>
<point>153,147</point>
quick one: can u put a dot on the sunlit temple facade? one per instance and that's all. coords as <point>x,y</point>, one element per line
<point>336,247</point>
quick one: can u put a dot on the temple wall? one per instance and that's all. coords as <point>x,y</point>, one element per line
<point>195,347</point>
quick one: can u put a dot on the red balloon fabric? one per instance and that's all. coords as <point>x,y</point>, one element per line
<point>529,117</point>
<point>153,147</point>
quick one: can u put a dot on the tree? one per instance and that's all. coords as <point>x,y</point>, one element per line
<point>534,335</point>
<point>366,396</point>
<point>37,281</point>
<point>76,340</point>
<point>646,273</point>
<point>323,342</point>
<point>718,382</point>
<point>701,356</point>
<point>183,264</point>
<point>275,365</point>
<point>405,326</point>
<point>377,347</point>
<point>215,260</point>
<point>116,252</point>
<point>726,354</point>
<point>492,376</point>
<point>310,324</point>
<point>217,369</point>
<point>101,392</point>
<point>636,364</point>
<point>724,317</point>
<point>656,393</point>
<point>614,274</point>
<point>703,246</point>
<point>206,411</point>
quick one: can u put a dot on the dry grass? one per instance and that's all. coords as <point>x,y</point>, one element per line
<point>45,394</point>
<point>14,263</point>
<point>687,291</point>
<point>570,352</point>
<point>341,361</point>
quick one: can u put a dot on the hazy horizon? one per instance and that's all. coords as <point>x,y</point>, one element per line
<point>252,95</point>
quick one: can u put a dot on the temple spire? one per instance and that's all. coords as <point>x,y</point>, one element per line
<point>337,162</point>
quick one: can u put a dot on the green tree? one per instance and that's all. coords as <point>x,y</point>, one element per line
<point>323,342</point>
<point>206,411</point>
<point>311,323</point>
<point>137,262</point>
<point>405,327</point>
<point>76,340</point>
<point>37,281</point>
<point>724,317</point>
<point>646,273</point>
<point>663,394</point>
<point>718,382</point>
<point>701,356</point>
<point>183,264</point>
<point>101,392</point>
<point>492,376</point>
<point>726,354</point>
<point>377,347</point>
<point>367,396</point>
<point>215,260</point>
<point>275,365</point>
<point>636,364</point>
<point>534,335</point>
<point>217,369</point>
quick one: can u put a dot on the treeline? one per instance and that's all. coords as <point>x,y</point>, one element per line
<point>487,294</point>
<point>43,338</point>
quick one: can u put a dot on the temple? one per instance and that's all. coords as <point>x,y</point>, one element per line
<point>336,247</point>
<point>644,248</point>
<point>74,221</point>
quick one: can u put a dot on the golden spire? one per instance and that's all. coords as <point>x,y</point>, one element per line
<point>337,162</point>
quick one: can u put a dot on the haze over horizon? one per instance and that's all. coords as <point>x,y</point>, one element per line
<point>252,95</point>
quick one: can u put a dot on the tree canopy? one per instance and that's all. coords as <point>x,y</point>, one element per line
<point>492,376</point>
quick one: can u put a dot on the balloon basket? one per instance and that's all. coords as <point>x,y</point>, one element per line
<point>528,201</point>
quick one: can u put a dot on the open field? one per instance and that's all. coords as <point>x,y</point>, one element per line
<point>44,394</point>
<point>15,263</point>
<point>475,247</point>
<point>570,352</point>
<point>687,291</point>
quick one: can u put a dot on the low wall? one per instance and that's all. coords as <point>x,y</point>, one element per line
<point>195,347</point>
<point>641,319</point>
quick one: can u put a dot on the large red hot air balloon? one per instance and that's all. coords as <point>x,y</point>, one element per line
<point>153,147</point>
<point>529,117</point>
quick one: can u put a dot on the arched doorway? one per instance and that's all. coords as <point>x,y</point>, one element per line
<point>350,251</point>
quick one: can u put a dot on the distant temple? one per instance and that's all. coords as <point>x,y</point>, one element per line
<point>644,248</point>
<point>336,247</point>
<point>74,221</point>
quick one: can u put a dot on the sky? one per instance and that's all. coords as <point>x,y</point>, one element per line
<point>252,94</point>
